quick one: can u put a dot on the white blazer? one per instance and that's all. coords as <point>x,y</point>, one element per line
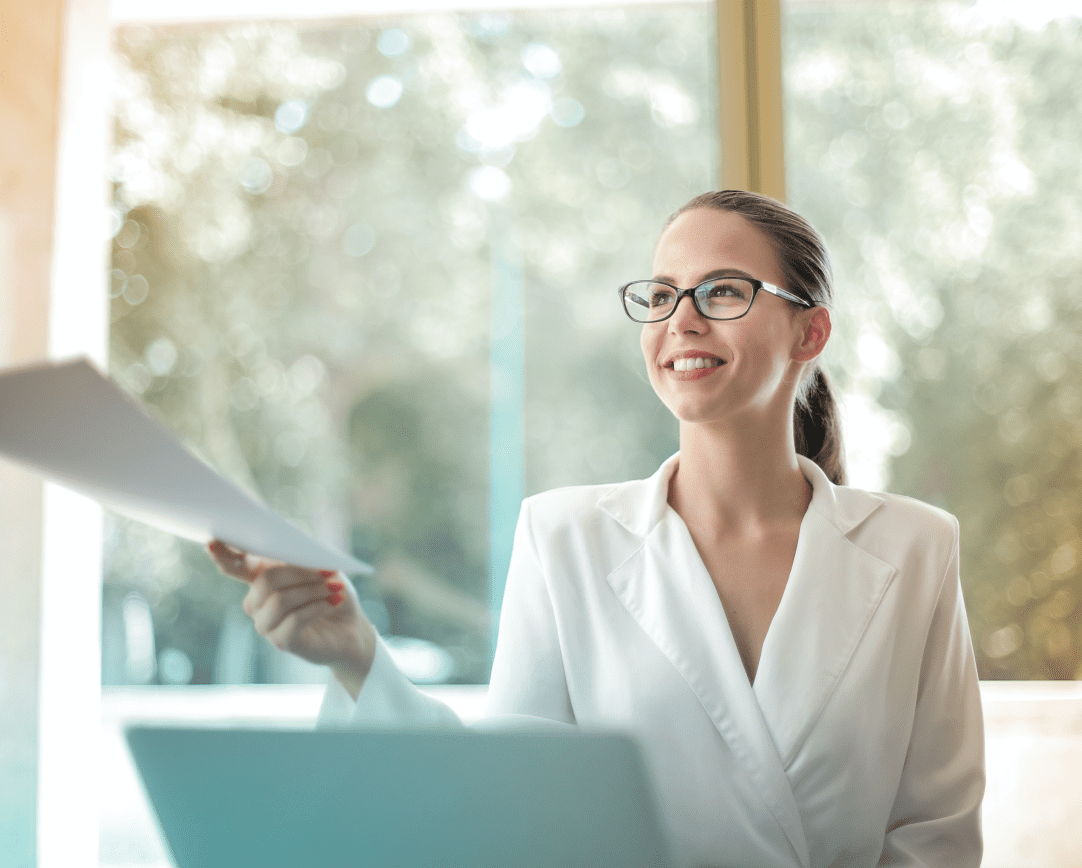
<point>860,742</point>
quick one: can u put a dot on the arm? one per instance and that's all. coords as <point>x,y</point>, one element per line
<point>386,698</point>
<point>316,615</point>
<point>527,686</point>
<point>935,820</point>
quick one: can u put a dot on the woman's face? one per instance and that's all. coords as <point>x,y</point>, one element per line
<point>754,362</point>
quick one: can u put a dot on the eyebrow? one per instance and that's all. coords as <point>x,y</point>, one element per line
<point>713,275</point>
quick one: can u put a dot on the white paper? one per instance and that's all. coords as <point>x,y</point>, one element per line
<point>70,424</point>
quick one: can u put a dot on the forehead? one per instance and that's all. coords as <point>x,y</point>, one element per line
<point>705,240</point>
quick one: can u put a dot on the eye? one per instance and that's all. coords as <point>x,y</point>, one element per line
<point>661,297</point>
<point>725,289</point>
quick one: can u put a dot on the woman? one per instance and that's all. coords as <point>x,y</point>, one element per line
<point>792,654</point>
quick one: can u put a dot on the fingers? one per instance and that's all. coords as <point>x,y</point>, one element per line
<point>240,565</point>
<point>282,635</point>
<point>283,599</point>
<point>275,579</point>
<point>270,608</point>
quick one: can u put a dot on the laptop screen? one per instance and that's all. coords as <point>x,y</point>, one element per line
<point>454,799</point>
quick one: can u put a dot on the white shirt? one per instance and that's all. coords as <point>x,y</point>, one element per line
<point>861,740</point>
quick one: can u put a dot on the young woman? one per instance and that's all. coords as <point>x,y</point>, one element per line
<point>792,654</point>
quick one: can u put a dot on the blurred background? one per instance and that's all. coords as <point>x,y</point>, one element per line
<point>367,269</point>
<point>363,261</point>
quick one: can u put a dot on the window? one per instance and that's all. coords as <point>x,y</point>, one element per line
<point>269,239</point>
<point>353,263</point>
<point>283,191</point>
<point>934,144</point>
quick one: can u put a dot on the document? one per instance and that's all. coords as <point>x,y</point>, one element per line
<point>72,425</point>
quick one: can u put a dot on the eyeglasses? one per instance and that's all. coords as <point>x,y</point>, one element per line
<point>719,298</point>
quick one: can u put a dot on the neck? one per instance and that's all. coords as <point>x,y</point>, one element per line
<point>739,475</point>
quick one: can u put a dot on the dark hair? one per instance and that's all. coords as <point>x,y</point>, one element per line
<point>805,264</point>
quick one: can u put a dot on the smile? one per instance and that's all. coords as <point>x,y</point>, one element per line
<point>696,362</point>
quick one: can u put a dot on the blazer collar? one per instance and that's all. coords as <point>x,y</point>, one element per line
<point>640,505</point>
<point>666,588</point>
<point>841,506</point>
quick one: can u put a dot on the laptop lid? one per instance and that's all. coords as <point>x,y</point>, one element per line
<point>398,799</point>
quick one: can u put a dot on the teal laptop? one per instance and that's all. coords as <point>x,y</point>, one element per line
<point>400,799</point>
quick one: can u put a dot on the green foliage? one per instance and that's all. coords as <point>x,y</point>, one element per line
<point>937,153</point>
<point>306,224</point>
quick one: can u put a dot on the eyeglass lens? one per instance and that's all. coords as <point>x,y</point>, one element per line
<point>725,298</point>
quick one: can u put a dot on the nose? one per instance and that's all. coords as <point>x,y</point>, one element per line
<point>686,318</point>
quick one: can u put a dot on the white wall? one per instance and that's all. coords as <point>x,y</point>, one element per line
<point>30,40</point>
<point>1033,804</point>
<point>53,303</point>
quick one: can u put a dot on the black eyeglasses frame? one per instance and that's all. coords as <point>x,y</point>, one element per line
<point>680,293</point>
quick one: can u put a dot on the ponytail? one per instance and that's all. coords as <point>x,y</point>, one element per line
<point>817,430</point>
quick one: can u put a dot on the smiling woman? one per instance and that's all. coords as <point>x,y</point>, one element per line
<point>752,232</point>
<point>730,611</point>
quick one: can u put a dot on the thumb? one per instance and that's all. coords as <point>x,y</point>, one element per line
<point>233,562</point>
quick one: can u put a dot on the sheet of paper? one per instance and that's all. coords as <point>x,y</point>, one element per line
<point>72,425</point>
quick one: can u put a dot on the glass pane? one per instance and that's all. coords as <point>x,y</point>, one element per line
<point>336,249</point>
<point>935,145</point>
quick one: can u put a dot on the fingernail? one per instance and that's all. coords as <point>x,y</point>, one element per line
<point>327,573</point>
<point>334,599</point>
<point>335,586</point>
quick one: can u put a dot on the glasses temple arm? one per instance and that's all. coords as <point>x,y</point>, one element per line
<point>788,296</point>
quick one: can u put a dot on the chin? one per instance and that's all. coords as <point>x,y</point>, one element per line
<point>693,413</point>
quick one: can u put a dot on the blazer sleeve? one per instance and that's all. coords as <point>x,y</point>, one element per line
<point>527,686</point>
<point>528,678</point>
<point>935,820</point>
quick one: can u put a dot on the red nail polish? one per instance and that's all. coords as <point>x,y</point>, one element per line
<point>334,585</point>
<point>334,599</point>
<point>327,573</point>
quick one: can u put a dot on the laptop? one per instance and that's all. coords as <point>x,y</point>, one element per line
<point>400,799</point>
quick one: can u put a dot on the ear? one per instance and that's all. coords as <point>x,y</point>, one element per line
<point>813,331</point>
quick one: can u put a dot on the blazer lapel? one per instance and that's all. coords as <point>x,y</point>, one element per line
<point>666,588</point>
<point>832,592</point>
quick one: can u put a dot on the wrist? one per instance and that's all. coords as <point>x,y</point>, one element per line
<point>350,679</point>
<point>351,674</point>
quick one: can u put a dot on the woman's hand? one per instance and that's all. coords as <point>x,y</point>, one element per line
<point>314,614</point>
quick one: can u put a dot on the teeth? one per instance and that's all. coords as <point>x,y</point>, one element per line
<point>697,362</point>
